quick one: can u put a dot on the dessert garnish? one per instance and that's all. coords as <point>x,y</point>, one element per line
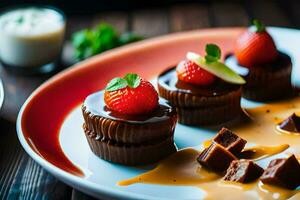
<point>216,157</point>
<point>291,124</point>
<point>130,95</point>
<point>283,172</point>
<point>255,46</point>
<point>243,171</point>
<point>211,63</point>
<point>230,141</point>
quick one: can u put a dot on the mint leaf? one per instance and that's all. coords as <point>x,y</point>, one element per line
<point>213,53</point>
<point>89,42</point>
<point>258,26</point>
<point>133,80</point>
<point>116,84</point>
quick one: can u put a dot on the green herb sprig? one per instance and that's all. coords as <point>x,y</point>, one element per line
<point>211,63</point>
<point>130,80</point>
<point>213,53</point>
<point>89,42</point>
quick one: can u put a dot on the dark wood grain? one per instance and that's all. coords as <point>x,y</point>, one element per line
<point>228,14</point>
<point>16,89</point>
<point>189,16</point>
<point>77,195</point>
<point>78,22</point>
<point>269,12</point>
<point>21,177</point>
<point>291,9</point>
<point>117,19</point>
<point>150,23</point>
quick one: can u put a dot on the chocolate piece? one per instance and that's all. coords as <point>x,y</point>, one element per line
<point>129,154</point>
<point>230,141</point>
<point>292,124</point>
<point>200,105</point>
<point>135,129</point>
<point>243,171</point>
<point>268,81</point>
<point>283,172</point>
<point>216,157</point>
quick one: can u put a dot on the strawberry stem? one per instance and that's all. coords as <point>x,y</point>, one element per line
<point>258,25</point>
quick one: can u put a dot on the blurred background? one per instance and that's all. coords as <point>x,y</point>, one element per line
<point>158,17</point>
<point>20,176</point>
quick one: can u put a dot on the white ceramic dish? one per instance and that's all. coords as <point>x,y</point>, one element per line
<point>100,176</point>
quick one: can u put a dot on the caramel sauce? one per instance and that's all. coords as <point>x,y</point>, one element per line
<point>182,168</point>
<point>260,152</point>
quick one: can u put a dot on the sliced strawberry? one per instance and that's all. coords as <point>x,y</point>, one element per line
<point>255,46</point>
<point>131,96</point>
<point>190,72</point>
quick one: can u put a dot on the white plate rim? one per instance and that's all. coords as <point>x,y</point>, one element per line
<point>1,94</point>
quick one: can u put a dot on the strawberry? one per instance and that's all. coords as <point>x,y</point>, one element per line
<point>255,46</point>
<point>130,95</point>
<point>190,72</point>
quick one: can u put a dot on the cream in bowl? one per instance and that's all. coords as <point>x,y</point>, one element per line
<point>31,37</point>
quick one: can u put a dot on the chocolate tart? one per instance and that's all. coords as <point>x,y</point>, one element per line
<point>129,139</point>
<point>267,81</point>
<point>200,105</point>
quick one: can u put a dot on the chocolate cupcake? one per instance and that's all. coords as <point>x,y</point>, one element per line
<point>266,70</point>
<point>128,124</point>
<point>202,97</point>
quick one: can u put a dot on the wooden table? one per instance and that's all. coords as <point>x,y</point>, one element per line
<point>20,176</point>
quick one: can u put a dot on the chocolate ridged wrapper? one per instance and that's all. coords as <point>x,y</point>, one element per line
<point>150,127</point>
<point>200,105</point>
<point>209,115</point>
<point>188,100</point>
<point>129,154</point>
<point>269,81</point>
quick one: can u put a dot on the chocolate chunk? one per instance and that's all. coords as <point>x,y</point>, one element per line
<point>243,171</point>
<point>283,172</point>
<point>292,123</point>
<point>216,157</point>
<point>230,141</point>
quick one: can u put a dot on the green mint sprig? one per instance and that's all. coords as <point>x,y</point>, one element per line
<point>213,53</point>
<point>89,42</point>
<point>131,80</point>
<point>211,63</point>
